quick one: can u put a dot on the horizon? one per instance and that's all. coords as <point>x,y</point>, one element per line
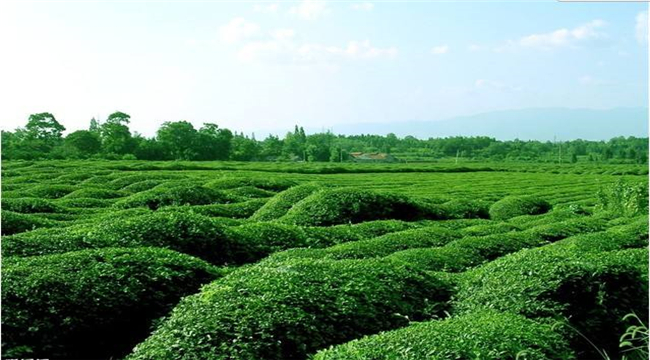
<point>263,67</point>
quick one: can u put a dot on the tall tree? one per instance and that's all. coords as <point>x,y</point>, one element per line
<point>179,138</point>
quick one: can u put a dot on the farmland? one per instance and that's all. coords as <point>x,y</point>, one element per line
<point>247,260</point>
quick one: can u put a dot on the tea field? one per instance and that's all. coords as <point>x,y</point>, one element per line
<point>228,260</point>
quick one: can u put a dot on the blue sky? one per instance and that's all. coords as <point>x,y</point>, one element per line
<point>264,66</point>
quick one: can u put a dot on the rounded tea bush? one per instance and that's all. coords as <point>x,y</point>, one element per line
<point>483,334</point>
<point>13,222</point>
<point>94,193</point>
<point>592,290</point>
<point>278,206</point>
<point>51,191</point>
<point>94,303</point>
<point>29,205</point>
<point>257,240</point>
<point>176,195</point>
<point>345,205</point>
<point>293,308</point>
<point>512,206</point>
<point>239,210</point>
<point>465,209</point>
<point>266,183</point>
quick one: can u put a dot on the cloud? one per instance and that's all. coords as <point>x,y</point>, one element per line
<point>283,34</point>
<point>237,29</point>
<point>364,6</point>
<point>642,27</point>
<point>266,8</point>
<point>563,37</point>
<point>588,80</point>
<point>310,9</point>
<point>439,50</point>
<point>475,47</point>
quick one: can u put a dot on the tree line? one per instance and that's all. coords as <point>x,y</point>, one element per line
<point>42,138</point>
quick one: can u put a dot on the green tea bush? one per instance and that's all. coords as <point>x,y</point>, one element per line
<point>51,191</point>
<point>551,217</point>
<point>457,224</point>
<point>466,209</point>
<point>482,334</point>
<point>13,222</point>
<point>84,202</point>
<point>94,193</point>
<point>266,183</point>
<point>143,185</point>
<point>449,259</point>
<point>624,198</point>
<point>158,197</point>
<point>239,210</point>
<point>250,192</point>
<point>282,202</point>
<point>92,303</point>
<point>346,205</point>
<point>124,181</point>
<point>492,229</point>
<point>291,309</point>
<point>592,290</point>
<point>512,206</point>
<point>322,237</point>
<point>563,229</point>
<point>29,205</point>
<point>392,242</point>
<point>371,229</point>
<point>257,240</point>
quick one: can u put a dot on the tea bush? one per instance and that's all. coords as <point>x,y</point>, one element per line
<point>483,334</point>
<point>143,185</point>
<point>29,205</point>
<point>465,209</point>
<point>512,206</point>
<point>51,191</point>
<point>257,240</point>
<point>449,259</point>
<point>176,195</point>
<point>272,184</point>
<point>13,222</point>
<point>94,193</point>
<point>84,202</point>
<point>592,291</point>
<point>345,205</point>
<point>250,192</point>
<point>491,229</point>
<point>239,210</point>
<point>291,309</point>
<point>282,202</point>
<point>92,303</point>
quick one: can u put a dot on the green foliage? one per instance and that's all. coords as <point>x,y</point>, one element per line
<point>280,204</point>
<point>257,240</point>
<point>291,309</point>
<point>93,303</point>
<point>634,342</point>
<point>94,193</point>
<point>345,205</point>
<point>13,222</point>
<point>176,195</point>
<point>271,184</point>
<point>623,198</point>
<point>465,209</point>
<point>448,259</point>
<point>592,291</point>
<point>29,205</point>
<point>512,206</point>
<point>51,191</point>
<point>238,210</point>
<point>483,334</point>
<point>489,229</point>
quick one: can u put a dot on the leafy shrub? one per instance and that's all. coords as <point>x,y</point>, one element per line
<point>282,202</point>
<point>51,191</point>
<point>291,309</point>
<point>321,237</point>
<point>177,195</point>
<point>483,334</point>
<point>623,198</point>
<point>392,242</point>
<point>238,210</point>
<point>272,184</point>
<point>94,193</point>
<point>13,222</point>
<point>465,209</point>
<point>491,229</point>
<point>371,229</point>
<point>457,224</point>
<point>124,181</point>
<point>143,185</point>
<point>449,259</point>
<point>257,240</point>
<point>93,303</point>
<point>29,205</point>
<point>84,202</point>
<point>512,206</point>
<point>563,229</point>
<point>592,291</point>
<point>250,192</point>
<point>341,206</point>
<point>528,221</point>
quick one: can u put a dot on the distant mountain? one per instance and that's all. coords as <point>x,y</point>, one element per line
<point>525,124</point>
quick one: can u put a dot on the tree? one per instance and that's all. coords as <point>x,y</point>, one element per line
<point>84,141</point>
<point>213,143</point>
<point>243,148</point>
<point>43,126</point>
<point>116,136</point>
<point>119,117</point>
<point>179,138</point>
<point>94,127</point>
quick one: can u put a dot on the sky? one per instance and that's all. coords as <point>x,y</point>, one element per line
<point>264,66</point>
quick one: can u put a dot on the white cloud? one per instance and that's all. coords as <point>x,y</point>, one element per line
<point>237,29</point>
<point>266,8</point>
<point>475,47</point>
<point>310,9</point>
<point>283,34</point>
<point>589,80</point>
<point>642,27</point>
<point>364,6</point>
<point>439,50</point>
<point>563,37</point>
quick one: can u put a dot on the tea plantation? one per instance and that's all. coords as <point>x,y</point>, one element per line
<point>224,260</point>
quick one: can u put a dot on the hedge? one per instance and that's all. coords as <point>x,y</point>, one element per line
<point>51,191</point>
<point>490,229</point>
<point>447,259</point>
<point>13,222</point>
<point>143,185</point>
<point>256,240</point>
<point>291,309</point>
<point>282,202</point>
<point>482,334</point>
<point>92,303</point>
<point>250,192</point>
<point>272,184</point>
<point>345,205</point>
<point>512,206</point>
<point>239,210</point>
<point>592,291</point>
<point>84,202</point>
<point>95,193</point>
<point>466,209</point>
